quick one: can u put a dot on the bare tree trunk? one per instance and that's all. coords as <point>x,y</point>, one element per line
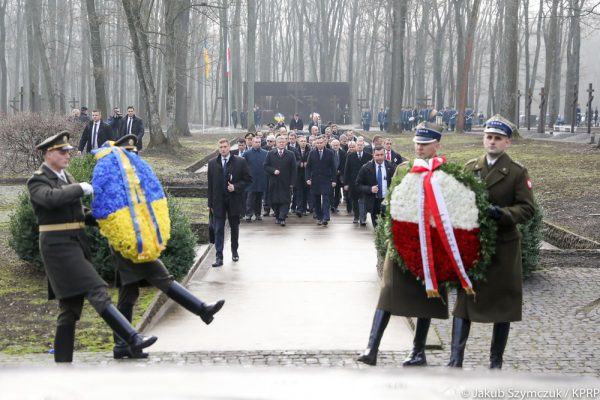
<point>510,65</point>
<point>399,10</point>
<point>551,40</point>
<point>251,63</point>
<point>85,57</point>
<point>236,58</point>
<point>460,47</point>
<point>182,32</point>
<point>140,45</point>
<point>32,58</point>
<point>573,57</point>
<point>538,40</point>
<point>3,69</point>
<point>301,60</point>
<point>438,56</point>
<point>462,98</point>
<point>224,73</point>
<point>96,46</point>
<point>420,55</point>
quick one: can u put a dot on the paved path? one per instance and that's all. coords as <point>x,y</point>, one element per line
<point>299,287</point>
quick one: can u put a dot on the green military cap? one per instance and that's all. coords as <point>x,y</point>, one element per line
<point>58,141</point>
<point>128,142</point>
<point>249,135</point>
<point>270,125</point>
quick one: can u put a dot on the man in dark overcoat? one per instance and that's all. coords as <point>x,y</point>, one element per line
<point>280,166</point>
<point>130,276</point>
<point>132,125</point>
<point>339,157</point>
<point>402,294</point>
<point>255,157</point>
<point>95,133</point>
<point>354,161</point>
<point>296,123</point>
<point>301,189</point>
<point>390,154</point>
<point>373,181</point>
<point>320,176</point>
<point>228,177</point>
<point>499,298</point>
<point>56,200</point>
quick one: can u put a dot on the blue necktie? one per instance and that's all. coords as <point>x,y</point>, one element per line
<point>379,182</point>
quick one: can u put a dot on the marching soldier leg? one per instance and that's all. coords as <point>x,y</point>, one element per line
<point>64,340</point>
<point>460,334</point>
<point>499,339</point>
<point>380,321</point>
<point>417,356</point>
<point>128,295</point>
<point>187,300</point>
<point>99,299</point>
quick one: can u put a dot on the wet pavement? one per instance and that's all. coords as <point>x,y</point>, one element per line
<point>298,287</point>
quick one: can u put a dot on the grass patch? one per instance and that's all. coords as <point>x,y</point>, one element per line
<point>195,208</point>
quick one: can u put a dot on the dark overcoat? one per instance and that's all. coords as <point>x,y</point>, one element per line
<point>402,294</point>
<point>280,186</point>
<point>238,174</point>
<point>104,133</point>
<point>320,171</point>
<point>500,297</point>
<point>301,175</point>
<point>256,161</point>
<point>353,165</point>
<point>65,253</point>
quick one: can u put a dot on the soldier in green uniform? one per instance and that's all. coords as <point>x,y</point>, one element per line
<point>401,293</point>
<point>130,276</point>
<point>498,300</point>
<point>56,200</point>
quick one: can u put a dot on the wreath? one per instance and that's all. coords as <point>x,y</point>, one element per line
<point>436,225</point>
<point>129,204</point>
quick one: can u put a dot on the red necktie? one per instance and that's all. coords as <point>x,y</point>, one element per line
<point>389,156</point>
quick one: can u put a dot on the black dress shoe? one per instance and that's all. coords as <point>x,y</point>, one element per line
<point>248,219</point>
<point>282,222</point>
<point>355,221</point>
<point>363,224</point>
<point>218,262</point>
<point>325,223</point>
<point>319,222</point>
<point>299,214</point>
<point>259,217</point>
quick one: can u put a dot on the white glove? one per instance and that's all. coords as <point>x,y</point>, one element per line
<point>87,188</point>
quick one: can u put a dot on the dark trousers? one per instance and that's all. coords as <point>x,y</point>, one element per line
<point>301,192</point>
<point>280,210</point>
<point>322,204</point>
<point>160,279</point>
<point>336,194</point>
<point>70,308</point>
<point>234,227</point>
<point>378,209</point>
<point>348,200</point>
<point>254,203</point>
<point>358,206</point>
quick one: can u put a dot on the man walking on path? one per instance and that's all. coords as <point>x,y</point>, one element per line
<point>354,161</point>
<point>499,298</point>
<point>228,177</point>
<point>280,166</point>
<point>255,157</point>
<point>320,176</point>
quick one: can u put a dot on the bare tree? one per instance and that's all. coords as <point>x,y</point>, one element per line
<point>3,69</point>
<point>399,9</point>
<point>96,46</point>
<point>250,62</point>
<point>509,65</point>
<point>466,64</point>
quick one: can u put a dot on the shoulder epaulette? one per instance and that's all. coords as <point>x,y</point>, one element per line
<point>38,172</point>
<point>471,161</point>
<point>518,163</point>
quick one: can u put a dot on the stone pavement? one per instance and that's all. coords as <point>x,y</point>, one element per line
<point>298,287</point>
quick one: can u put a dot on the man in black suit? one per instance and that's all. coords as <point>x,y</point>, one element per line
<point>280,166</point>
<point>228,176</point>
<point>301,189</point>
<point>95,133</point>
<point>241,148</point>
<point>390,154</point>
<point>373,181</point>
<point>339,156</point>
<point>296,123</point>
<point>320,176</point>
<point>354,162</point>
<point>132,125</point>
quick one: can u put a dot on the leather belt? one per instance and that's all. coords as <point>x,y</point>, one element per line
<point>62,227</point>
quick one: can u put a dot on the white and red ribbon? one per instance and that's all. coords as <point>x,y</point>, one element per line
<point>431,203</point>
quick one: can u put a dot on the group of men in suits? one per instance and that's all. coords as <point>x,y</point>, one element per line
<point>96,131</point>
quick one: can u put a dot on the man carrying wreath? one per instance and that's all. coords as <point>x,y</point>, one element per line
<point>499,298</point>
<point>402,294</point>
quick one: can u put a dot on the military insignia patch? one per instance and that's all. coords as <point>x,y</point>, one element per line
<point>529,183</point>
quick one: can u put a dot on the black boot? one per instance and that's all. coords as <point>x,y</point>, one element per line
<point>380,321</point>
<point>119,324</point>
<point>121,349</point>
<point>499,339</point>
<point>417,356</point>
<point>460,334</point>
<point>63,343</point>
<point>187,300</point>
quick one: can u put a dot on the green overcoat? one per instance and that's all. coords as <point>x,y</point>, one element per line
<point>499,298</point>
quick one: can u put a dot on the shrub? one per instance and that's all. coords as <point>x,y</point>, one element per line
<point>178,257</point>
<point>20,133</point>
<point>531,243</point>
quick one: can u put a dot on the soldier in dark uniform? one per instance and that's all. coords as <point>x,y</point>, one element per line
<point>129,277</point>
<point>56,200</point>
<point>401,293</point>
<point>499,299</point>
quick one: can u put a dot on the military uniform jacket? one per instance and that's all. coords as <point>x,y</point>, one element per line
<point>66,254</point>
<point>402,294</point>
<point>500,297</point>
